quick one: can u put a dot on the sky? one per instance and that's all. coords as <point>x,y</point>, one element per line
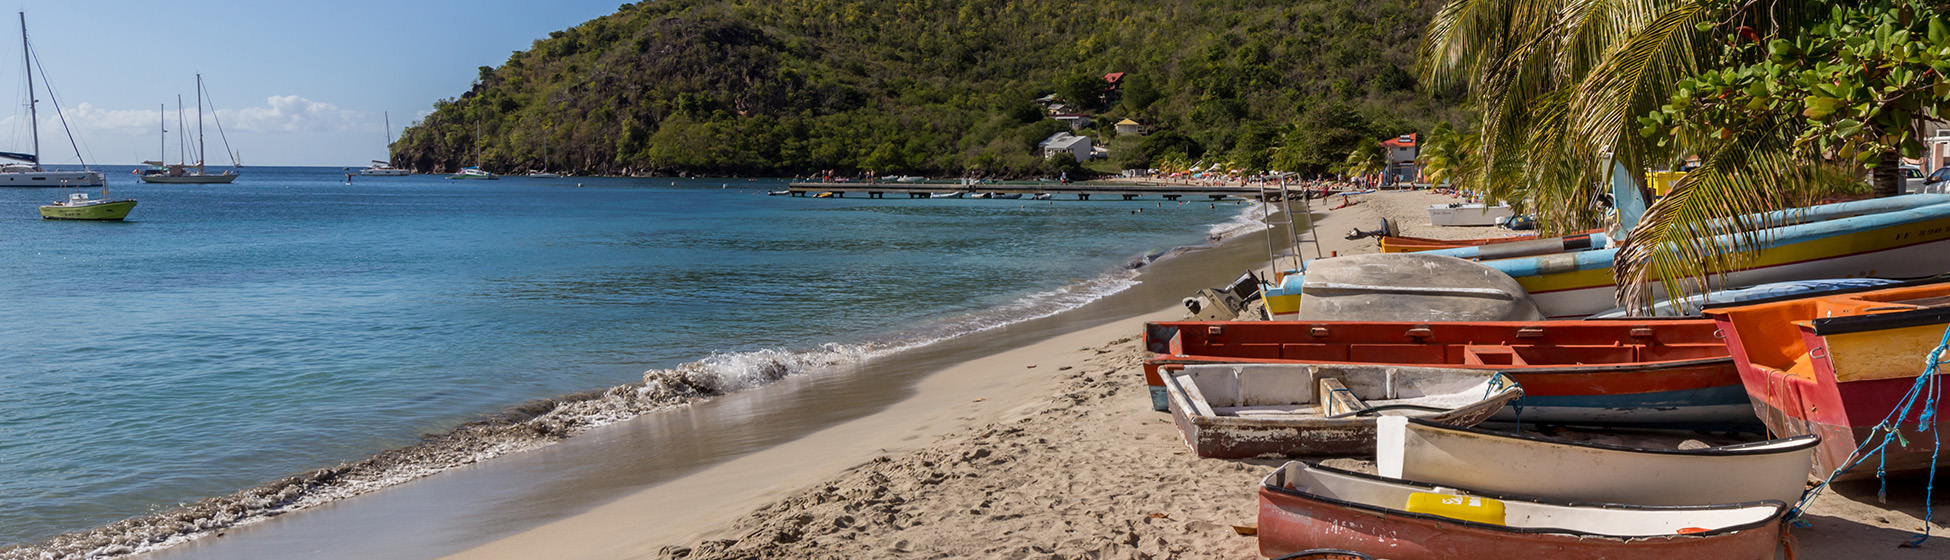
<point>293,82</point>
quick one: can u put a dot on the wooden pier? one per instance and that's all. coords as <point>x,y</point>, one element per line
<point>1080,191</point>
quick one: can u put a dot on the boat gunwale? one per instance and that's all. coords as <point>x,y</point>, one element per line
<point>1737,305</point>
<point>1493,402</point>
<point>1621,367</point>
<point>1780,508</point>
<point>1783,445</point>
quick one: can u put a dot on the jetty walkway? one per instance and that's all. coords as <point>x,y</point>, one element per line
<point>1082,191</point>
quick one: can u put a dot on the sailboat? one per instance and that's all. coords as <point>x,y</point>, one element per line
<point>28,172</point>
<point>544,173</point>
<point>475,173</point>
<point>181,172</point>
<point>381,168</point>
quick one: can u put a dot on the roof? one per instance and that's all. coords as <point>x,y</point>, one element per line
<point>1130,122</point>
<point>1066,142</point>
<point>1114,77</point>
<point>1405,141</point>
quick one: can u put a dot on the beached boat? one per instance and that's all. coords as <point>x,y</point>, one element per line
<point>1304,506</point>
<point>1471,214</point>
<point>1553,469</point>
<point>1406,244</point>
<point>1895,237</point>
<point>1652,373</point>
<point>1839,365</point>
<point>79,206</point>
<point>1248,410</point>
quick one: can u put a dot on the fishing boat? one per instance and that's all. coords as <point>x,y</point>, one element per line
<point>191,173</point>
<point>1304,506</point>
<point>27,172</point>
<point>1840,365</point>
<point>1406,244</point>
<point>1461,457</point>
<point>1690,306</point>
<point>473,173</point>
<point>79,206</point>
<point>1896,237</point>
<point>1471,214</point>
<point>1649,373</point>
<point>1248,410</point>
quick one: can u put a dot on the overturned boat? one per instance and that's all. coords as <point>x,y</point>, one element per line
<point>1303,506</point>
<point>1647,373</point>
<point>1505,463</point>
<point>1249,410</point>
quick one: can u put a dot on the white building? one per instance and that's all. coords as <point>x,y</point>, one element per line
<point>1399,154</point>
<point>1064,143</point>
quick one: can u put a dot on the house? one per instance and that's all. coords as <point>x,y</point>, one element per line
<point>1077,121</point>
<point>1064,143</point>
<point>1113,87</point>
<point>1129,127</point>
<point>1399,155</point>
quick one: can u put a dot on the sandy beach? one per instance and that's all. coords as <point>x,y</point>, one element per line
<point>1034,442</point>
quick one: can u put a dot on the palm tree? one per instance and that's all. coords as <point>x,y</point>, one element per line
<point>1563,85</point>
<point>1364,160</point>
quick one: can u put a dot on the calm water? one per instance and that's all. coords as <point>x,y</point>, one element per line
<point>228,335</point>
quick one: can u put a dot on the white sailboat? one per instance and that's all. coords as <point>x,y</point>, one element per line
<point>544,173</point>
<point>381,168</point>
<point>186,173</point>
<point>26,171</point>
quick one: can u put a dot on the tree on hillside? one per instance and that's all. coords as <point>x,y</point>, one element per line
<point>1783,102</point>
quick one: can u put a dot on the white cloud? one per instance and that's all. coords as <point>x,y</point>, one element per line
<point>291,113</point>
<point>278,114</point>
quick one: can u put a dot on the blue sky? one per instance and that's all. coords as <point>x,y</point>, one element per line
<point>297,83</point>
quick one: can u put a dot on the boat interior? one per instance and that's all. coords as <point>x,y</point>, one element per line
<point>1471,344</point>
<point>1613,520</point>
<point>1768,345</point>
<point>1263,390</point>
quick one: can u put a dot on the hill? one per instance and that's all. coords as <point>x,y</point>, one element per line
<point>794,87</point>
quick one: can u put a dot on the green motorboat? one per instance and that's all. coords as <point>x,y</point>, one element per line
<point>79,206</point>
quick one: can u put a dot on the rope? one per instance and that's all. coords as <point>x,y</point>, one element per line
<point>1927,388</point>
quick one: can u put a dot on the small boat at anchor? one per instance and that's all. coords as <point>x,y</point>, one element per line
<point>1248,410</point>
<point>1553,469</point>
<point>956,194</point>
<point>79,206</point>
<point>473,173</point>
<point>1006,196</point>
<point>1304,506</point>
<point>1839,365</point>
<point>1650,373</point>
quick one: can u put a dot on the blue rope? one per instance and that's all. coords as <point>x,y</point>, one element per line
<point>1928,388</point>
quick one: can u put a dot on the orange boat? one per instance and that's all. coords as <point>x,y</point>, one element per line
<point>1406,244</point>
<point>1652,373</point>
<point>1839,365</point>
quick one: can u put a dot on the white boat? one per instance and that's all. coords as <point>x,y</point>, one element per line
<point>1504,463</point>
<point>383,169</point>
<point>191,173</point>
<point>1472,214</point>
<point>1249,410</point>
<point>946,195</point>
<point>1040,196</point>
<point>29,173</point>
<point>474,173</point>
<point>909,179</point>
<point>543,175</point>
<point>1304,507</point>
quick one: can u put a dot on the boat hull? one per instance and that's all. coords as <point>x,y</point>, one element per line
<point>109,211</point>
<point>1838,374</point>
<point>1506,463</point>
<point>384,173</point>
<point>1294,519</point>
<point>1662,373</point>
<point>189,179</point>
<point>52,179</point>
<point>1405,244</point>
<point>1235,437</point>
<point>1467,215</point>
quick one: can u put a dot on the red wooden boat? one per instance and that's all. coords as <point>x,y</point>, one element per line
<point>1406,244</point>
<point>1305,507</point>
<point>1652,373</point>
<point>1838,365</point>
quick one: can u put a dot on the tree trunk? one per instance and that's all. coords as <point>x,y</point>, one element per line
<point>1887,176</point>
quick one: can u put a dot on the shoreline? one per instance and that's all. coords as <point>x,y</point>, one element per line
<point>531,428</point>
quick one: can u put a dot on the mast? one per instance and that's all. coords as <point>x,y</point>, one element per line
<point>33,116</point>
<point>162,124</point>
<point>182,150</point>
<point>199,124</point>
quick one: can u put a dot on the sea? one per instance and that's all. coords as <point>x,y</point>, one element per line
<point>228,336</point>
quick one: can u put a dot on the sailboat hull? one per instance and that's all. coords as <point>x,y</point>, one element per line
<point>101,211</point>
<point>52,179</point>
<point>190,179</point>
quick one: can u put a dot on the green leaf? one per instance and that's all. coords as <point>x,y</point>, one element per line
<point>1819,107</point>
<point>1848,127</point>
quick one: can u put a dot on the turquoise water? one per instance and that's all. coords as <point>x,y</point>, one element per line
<point>229,335</point>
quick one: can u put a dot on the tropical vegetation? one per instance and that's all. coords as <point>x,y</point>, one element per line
<point>793,87</point>
<point>1780,103</point>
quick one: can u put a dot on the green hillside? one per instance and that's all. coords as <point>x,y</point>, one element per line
<point>788,87</point>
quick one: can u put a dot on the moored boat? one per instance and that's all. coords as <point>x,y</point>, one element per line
<point>79,206</point>
<point>1652,373</point>
<point>1249,410</point>
<point>1553,469</point>
<point>383,169</point>
<point>473,173</point>
<point>956,194</point>
<point>1839,366</point>
<point>1304,506</point>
